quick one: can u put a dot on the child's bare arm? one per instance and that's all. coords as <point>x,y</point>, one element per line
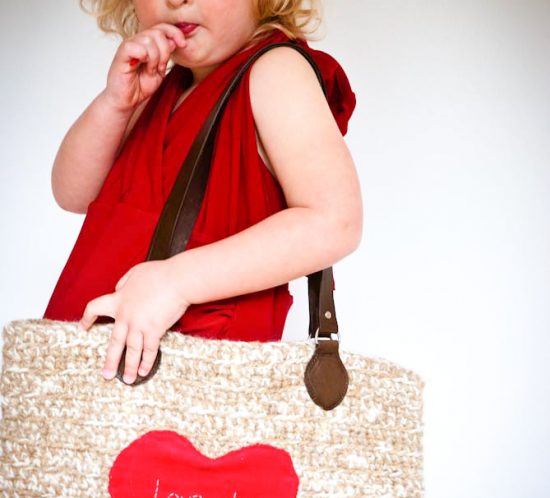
<point>323,221</point>
<point>87,153</point>
<point>91,145</point>
<point>287,245</point>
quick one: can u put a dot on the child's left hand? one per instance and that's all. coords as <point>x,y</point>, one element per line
<point>145,304</point>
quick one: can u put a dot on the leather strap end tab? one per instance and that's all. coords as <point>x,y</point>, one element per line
<point>325,376</point>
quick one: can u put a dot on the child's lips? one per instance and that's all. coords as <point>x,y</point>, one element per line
<point>186,27</point>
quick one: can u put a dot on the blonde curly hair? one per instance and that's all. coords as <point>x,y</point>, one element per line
<point>290,16</point>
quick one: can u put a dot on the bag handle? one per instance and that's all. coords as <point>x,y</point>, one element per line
<point>175,226</point>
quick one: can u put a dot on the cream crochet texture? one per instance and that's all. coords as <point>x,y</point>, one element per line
<point>63,425</point>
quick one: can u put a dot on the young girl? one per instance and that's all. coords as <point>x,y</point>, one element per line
<point>283,198</point>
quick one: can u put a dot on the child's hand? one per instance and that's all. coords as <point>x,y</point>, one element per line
<point>145,304</point>
<point>139,65</point>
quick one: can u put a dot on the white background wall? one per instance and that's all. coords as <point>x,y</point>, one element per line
<point>451,141</point>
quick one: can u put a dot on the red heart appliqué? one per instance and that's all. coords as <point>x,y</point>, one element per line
<point>164,464</point>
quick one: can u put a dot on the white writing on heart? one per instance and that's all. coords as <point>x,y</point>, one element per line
<point>175,495</point>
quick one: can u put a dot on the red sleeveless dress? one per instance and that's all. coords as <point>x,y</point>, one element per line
<point>241,191</point>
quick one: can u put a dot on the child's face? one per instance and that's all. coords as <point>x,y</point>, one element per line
<point>224,27</point>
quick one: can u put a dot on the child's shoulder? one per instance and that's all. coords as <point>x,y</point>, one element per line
<point>280,63</point>
<point>282,79</point>
<point>298,129</point>
<point>284,86</point>
<point>285,70</point>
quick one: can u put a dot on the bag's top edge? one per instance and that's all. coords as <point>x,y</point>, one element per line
<point>172,343</point>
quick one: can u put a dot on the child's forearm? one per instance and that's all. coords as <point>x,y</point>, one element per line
<point>87,154</point>
<point>288,244</point>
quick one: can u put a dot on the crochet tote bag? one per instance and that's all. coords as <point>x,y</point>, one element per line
<point>213,418</point>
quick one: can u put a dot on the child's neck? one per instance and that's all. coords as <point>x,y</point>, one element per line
<point>199,73</point>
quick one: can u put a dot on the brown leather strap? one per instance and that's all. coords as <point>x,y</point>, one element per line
<point>182,207</point>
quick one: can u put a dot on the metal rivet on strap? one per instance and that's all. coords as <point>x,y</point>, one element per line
<point>328,314</point>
